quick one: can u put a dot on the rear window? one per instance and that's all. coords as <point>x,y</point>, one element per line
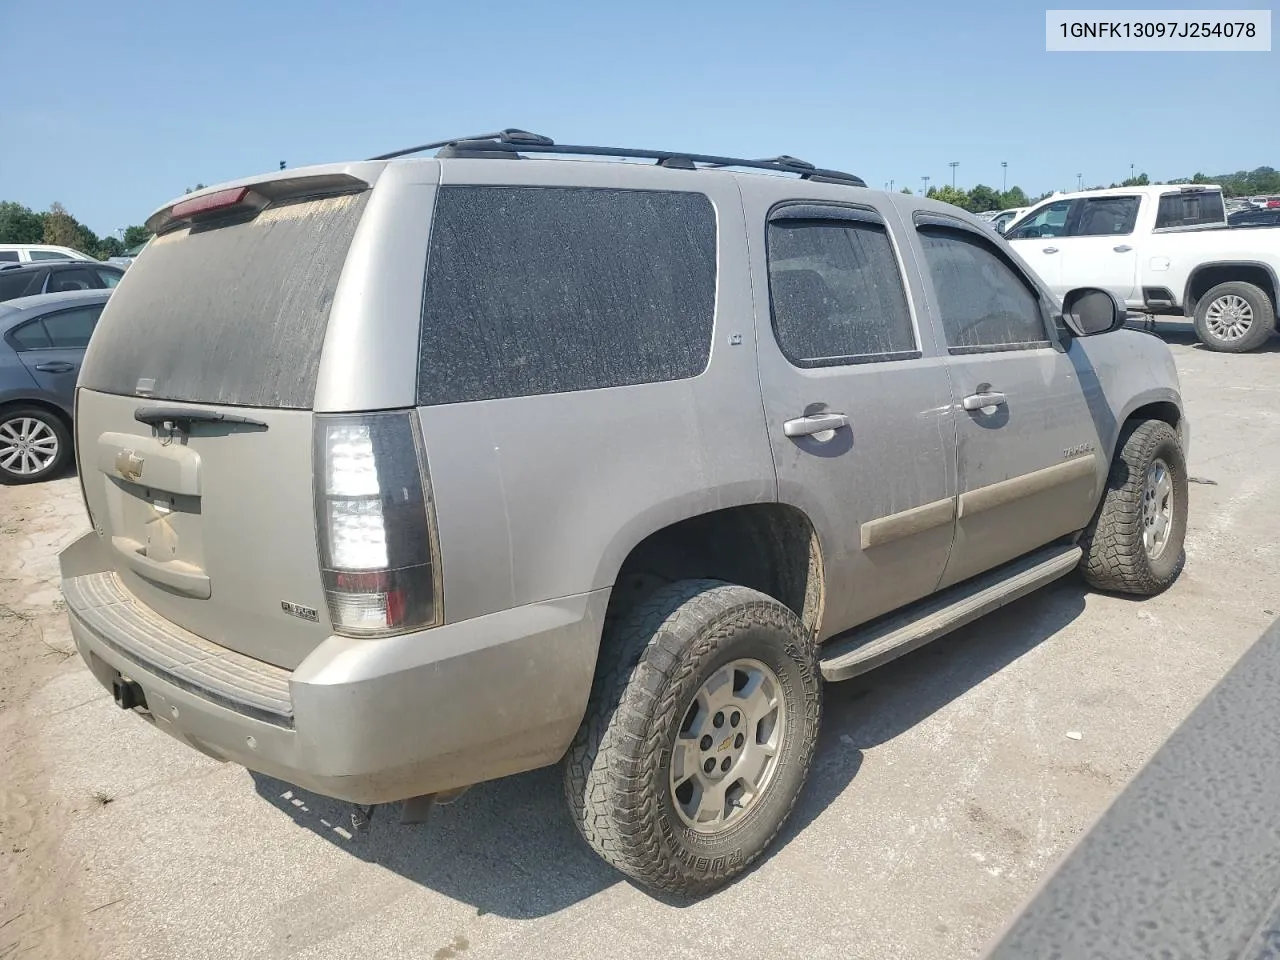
<point>534,290</point>
<point>230,314</point>
<point>20,283</point>
<point>1190,209</point>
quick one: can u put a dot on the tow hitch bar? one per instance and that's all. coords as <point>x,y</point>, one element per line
<point>127,694</point>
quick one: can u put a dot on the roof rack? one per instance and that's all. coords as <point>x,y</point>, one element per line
<point>512,143</point>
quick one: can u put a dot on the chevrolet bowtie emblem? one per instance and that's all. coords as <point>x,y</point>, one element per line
<point>128,465</point>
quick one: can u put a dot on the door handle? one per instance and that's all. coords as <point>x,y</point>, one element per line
<point>1123,248</point>
<point>1050,249</point>
<point>818,423</point>
<point>979,401</point>
<point>55,366</point>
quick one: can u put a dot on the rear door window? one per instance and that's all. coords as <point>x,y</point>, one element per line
<point>72,328</point>
<point>1191,209</point>
<point>47,255</point>
<point>229,313</point>
<point>1106,217</point>
<point>108,278</point>
<point>77,278</point>
<point>836,292</point>
<point>535,290</point>
<point>9,256</point>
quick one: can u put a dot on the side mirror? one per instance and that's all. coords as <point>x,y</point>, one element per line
<point>1089,311</point>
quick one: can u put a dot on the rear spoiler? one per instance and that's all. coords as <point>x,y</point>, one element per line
<point>222,202</point>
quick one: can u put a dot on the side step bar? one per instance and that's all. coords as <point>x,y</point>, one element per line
<point>871,645</point>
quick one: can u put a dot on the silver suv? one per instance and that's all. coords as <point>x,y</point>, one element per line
<point>407,474</point>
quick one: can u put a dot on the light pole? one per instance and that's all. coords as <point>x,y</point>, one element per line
<point>1131,171</point>
<point>1079,181</point>
<point>891,184</point>
<point>925,181</point>
<point>953,164</point>
<point>1004,176</point>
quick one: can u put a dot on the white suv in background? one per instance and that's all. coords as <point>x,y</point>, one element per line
<point>27,252</point>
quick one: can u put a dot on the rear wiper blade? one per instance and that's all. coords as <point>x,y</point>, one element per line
<point>155,416</point>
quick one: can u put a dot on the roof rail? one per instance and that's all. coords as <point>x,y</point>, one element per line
<point>510,135</point>
<point>515,142</point>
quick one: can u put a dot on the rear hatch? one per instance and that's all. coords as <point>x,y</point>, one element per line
<point>194,428</point>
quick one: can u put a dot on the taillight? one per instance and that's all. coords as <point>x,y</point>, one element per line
<point>218,200</point>
<point>375,525</point>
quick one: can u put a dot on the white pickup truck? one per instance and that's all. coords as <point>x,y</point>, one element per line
<point>1162,249</point>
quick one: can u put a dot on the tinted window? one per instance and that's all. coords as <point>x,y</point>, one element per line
<point>30,336</point>
<point>1190,209</point>
<point>1049,221</point>
<point>20,283</point>
<point>72,328</point>
<point>47,255</point>
<point>983,302</point>
<point>836,291</point>
<point>534,290</point>
<point>232,314</point>
<point>1106,216</point>
<point>9,256</point>
<point>109,278</point>
<point>77,278</point>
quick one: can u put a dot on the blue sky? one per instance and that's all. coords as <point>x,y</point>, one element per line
<point>123,105</point>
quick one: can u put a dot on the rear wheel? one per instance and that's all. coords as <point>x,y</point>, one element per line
<point>1134,544</point>
<point>1235,317</point>
<point>698,736</point>
<point>34,445</point>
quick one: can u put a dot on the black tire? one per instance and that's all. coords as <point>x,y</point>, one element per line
<point>1260,327</point>
<point>10,417</point>
<point>654,662</point>
<point>1115,555</point>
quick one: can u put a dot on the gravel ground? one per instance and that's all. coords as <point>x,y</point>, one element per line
<point>945,787</point>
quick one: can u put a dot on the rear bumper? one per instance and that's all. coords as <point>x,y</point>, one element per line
<point>368,721</point>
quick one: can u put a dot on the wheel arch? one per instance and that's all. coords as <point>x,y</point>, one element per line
<point>1160,403</point>
<point>769,546</point>
<point>39,403</point>
<point>1208,275</point>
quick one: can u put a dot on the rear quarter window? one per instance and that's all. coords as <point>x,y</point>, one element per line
<point>535,290</point>
<point>229,313</point>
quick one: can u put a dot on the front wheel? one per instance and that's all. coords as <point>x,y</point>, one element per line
<point>1235,317</point>
<point>1134,543</point>
<point>698,735</point>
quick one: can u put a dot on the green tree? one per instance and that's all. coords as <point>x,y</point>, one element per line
<point>19,224</point>
<point>982,198</point>
<point>906,190</point>
<point>109,247</point>
<point>949,194</point>
<point>1014,198</point>
<point>60,228</point>
<point>1140,180</point>
<point>135,235</point>
<point>198,186</point>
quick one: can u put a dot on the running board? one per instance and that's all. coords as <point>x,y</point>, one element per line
<point>871,645</point>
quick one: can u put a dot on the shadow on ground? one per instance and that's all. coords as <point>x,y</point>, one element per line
<point>1183,333</point>
<point>509,848</point>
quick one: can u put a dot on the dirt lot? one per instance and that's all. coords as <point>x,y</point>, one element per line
<point>945,786</point>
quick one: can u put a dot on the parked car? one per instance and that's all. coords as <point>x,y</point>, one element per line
<point>61,276</point>
<point>650,452</point>
<point>1001,220</point>
<point>128,256</point>
<point>1255,218</point>
<point>29,252</point>
<point>42,342</point>
<point>1161,249</point>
